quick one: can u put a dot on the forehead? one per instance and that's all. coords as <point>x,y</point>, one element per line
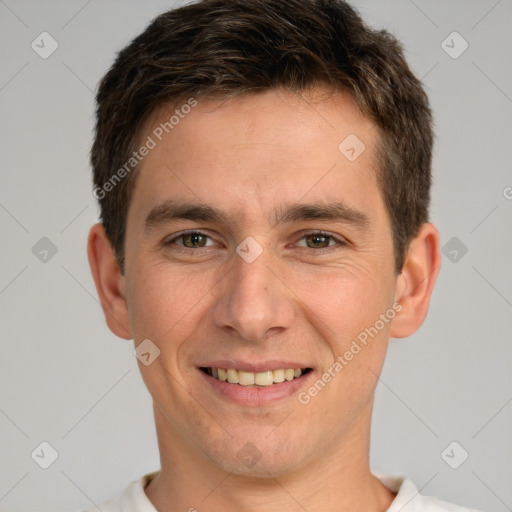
<point>254,151</point>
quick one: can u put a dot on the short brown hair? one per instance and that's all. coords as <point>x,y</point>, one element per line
<point>231,47</point>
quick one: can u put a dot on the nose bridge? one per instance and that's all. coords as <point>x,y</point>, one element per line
<point>252,278</point>
<point>254,300</point>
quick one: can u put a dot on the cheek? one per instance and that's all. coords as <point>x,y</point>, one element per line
<point>163,301</point>
<point>346,310</point>
<point>344,302</point>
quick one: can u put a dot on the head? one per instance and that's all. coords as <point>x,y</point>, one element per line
<point>244,106</point>
<point>224,49</point>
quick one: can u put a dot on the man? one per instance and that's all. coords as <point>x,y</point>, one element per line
<point>263,172</point>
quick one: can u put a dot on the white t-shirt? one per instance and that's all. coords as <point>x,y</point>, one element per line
<point>408,499</point>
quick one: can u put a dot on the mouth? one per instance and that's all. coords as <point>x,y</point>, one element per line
<point>265,378</point>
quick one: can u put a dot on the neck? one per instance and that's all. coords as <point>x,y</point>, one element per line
<point>340,480</point>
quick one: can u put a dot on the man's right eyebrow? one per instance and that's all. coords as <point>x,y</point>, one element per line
<point>172,210</point>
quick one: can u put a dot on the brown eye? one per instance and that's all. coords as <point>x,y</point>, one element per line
<point>191,240</point>
<point>318,241</point>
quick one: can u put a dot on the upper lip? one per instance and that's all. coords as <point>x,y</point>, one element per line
<point>254,367</point>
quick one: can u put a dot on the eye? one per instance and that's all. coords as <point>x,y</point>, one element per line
<point>191,240</point>
<point>199,240</point>
<point>320,240</point>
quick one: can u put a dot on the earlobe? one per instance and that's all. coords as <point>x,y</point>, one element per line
<point>109,281</point>
<point>416,282</point>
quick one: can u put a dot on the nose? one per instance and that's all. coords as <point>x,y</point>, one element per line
<point>254,302</point>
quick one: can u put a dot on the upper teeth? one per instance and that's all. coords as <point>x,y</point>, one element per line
<point>250,379</point>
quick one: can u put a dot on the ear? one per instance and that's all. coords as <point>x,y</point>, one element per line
<point>416,281</point>
<point>109,282</point>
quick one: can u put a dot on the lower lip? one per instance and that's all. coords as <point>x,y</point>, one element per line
<point>257,395</point>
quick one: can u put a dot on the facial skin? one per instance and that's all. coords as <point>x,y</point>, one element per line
<point>302,301</point>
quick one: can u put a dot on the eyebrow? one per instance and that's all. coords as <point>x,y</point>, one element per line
<point>338,211</point>
<point>292,212</point>
<point>171,210</point>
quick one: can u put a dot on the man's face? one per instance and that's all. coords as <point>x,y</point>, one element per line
<point>287,299</point>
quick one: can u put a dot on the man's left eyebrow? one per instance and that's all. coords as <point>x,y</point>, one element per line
<point>338,212</point>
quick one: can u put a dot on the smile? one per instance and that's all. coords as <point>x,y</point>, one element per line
<point>262,379</point>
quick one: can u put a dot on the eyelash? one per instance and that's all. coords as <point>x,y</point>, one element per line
<point>340,241</point>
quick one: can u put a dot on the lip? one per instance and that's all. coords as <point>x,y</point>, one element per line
<point>255,396</point>
<point>261,366</point>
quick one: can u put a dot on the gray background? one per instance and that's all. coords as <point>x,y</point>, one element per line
<point>65,379</point>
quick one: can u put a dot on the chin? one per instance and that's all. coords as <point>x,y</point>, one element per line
<point>259,457</point>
